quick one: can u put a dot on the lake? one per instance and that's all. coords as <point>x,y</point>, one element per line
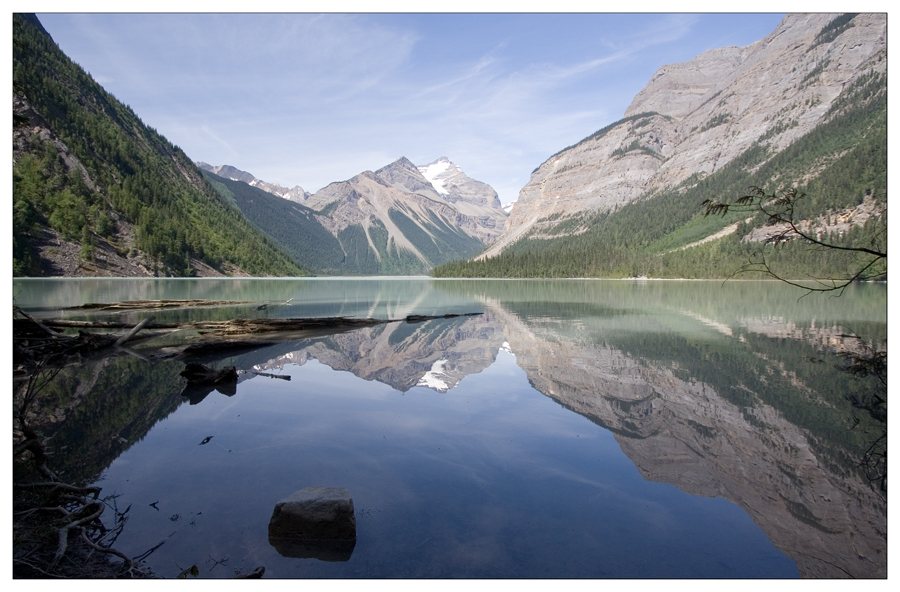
<point>574,429</point>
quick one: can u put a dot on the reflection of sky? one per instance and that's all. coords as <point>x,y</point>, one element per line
<point>491,479</point>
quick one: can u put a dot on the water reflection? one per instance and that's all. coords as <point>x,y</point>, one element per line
<point>322,549</point>
<point>729,436</point>
<point>723,437</point>
<point>705,391</point>
<point>436,354</point>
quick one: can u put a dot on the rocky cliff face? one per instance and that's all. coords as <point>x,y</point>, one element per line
<point>449,180</point>
<point>470,205</point>
<point>692,118</point>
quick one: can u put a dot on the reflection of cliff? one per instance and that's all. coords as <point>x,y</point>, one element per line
<point>681,430</point>
<point>831,337</point>
<point>436,354</point>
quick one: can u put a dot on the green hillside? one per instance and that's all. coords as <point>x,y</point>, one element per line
<point>290,225</point>
<point>843,161</point>
<point>87,169</point>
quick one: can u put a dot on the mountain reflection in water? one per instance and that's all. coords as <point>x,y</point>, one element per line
<point>720,391</point>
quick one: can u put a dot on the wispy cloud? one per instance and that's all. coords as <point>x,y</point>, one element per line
<point>313,98</point>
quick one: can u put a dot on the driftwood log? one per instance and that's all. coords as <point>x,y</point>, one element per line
<point>36,344</point>
<point>156,304</point>
<point>43,339</point>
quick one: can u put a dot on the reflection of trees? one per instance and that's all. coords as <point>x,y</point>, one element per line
<point>91,413</point>
<point>784,224</point>
<point>871,362</point>
<point>72,421</point>
<point>620,311</point>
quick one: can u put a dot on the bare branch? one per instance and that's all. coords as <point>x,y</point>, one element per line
<point>779,210</point>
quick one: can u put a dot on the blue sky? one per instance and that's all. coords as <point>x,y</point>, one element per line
<point>308,99</point>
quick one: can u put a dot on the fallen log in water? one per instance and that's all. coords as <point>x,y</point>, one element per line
<point>37,338</point>
<point>251,326</point>
<point>36,344</point>
<point>155,304</point>
<point>421,318</point>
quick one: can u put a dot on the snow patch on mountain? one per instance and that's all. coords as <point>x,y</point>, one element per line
<point>435,378</point>
<point>434,172</point>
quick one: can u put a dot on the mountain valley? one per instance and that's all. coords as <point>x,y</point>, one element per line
<point>96,192</point>
<point>393,221</point>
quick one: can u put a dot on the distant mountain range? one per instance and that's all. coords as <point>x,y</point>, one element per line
<point>296,194</point>
<point>97,192</point>
<point>400,219</point>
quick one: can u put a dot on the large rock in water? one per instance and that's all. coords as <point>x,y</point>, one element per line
<point>314,513</point>
<point>315,522</point>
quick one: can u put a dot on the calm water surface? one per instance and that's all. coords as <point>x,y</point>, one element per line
<point>575,429</point>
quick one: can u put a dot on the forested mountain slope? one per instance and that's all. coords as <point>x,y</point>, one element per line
<point>805,107</point>
<point>97,192</point>
<point>290,225</point>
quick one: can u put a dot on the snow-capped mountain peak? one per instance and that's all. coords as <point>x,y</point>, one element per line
<point>437,172</point>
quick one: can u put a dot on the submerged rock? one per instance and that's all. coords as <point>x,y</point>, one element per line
<point>315,522</point>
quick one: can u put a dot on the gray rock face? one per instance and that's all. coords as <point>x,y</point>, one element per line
<point>368,197</point>
<point>297,194</point>
<point>227,171</point>
<point>695,117</point>
<point>403,174</point>
<point>314,513</point>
